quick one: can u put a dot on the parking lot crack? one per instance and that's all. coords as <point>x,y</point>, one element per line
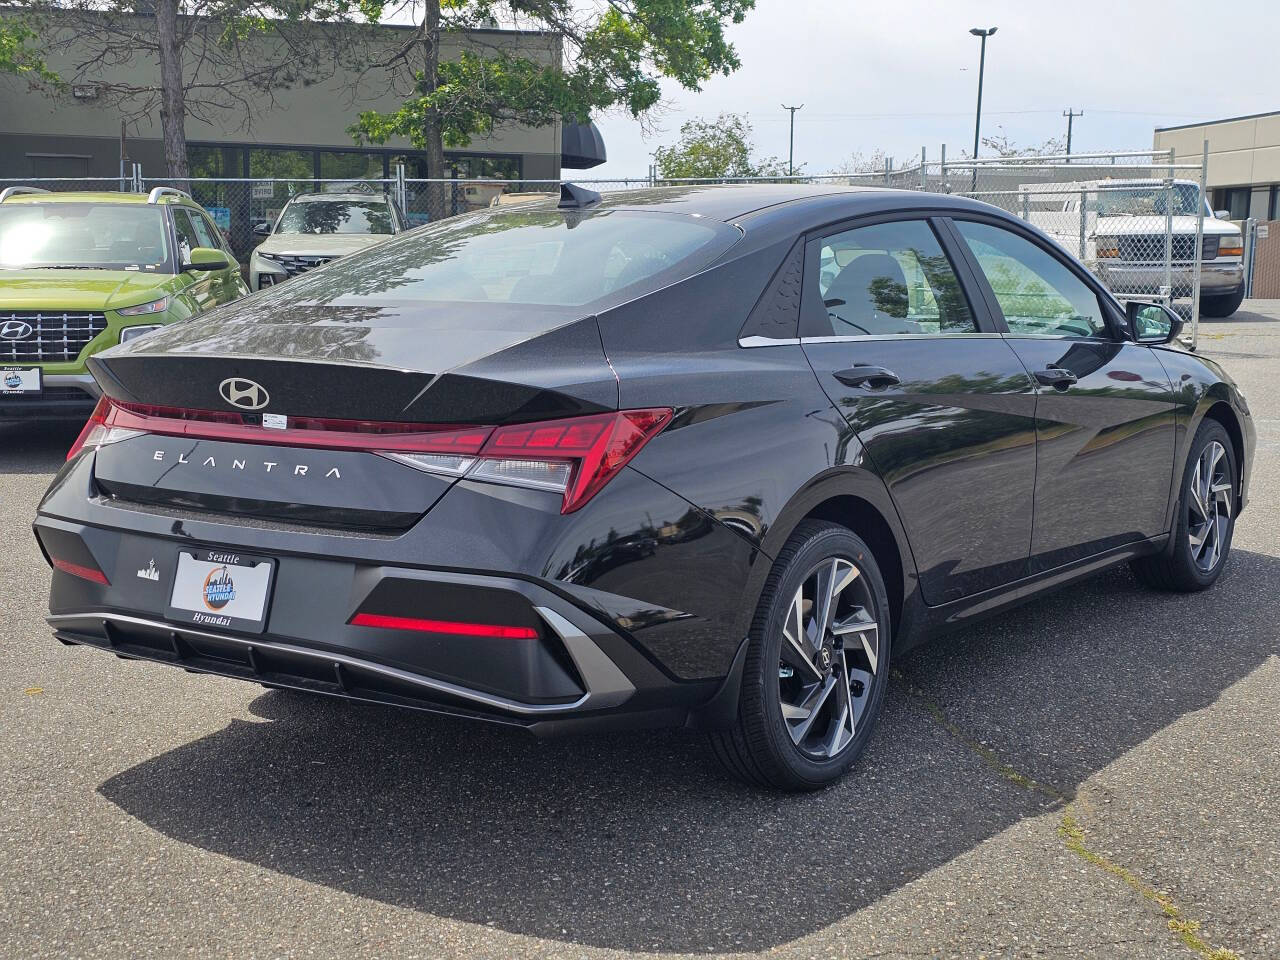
<point>1070,829</point>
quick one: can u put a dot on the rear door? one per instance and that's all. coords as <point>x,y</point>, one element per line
<point>1105,414</point>
<point>941,403</point>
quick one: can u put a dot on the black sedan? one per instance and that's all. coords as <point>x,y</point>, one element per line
<point>706,456</point>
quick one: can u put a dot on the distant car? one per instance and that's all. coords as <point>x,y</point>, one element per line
<point>1123,229</point>
<point>80,272</point>
<point>637,461</point>
<point>314,228</point>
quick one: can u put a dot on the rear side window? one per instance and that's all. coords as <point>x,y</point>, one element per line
<point>888,279</point>
<point>537,258</point>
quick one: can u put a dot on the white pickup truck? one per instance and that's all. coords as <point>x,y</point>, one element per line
<point>1123,227</point>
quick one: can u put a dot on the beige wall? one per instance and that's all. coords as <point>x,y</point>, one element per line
<point>314,116</point>
<point>1241,152</point>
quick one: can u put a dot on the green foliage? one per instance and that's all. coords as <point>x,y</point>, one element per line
<point>614,56</point>
<point>18,57</point>
<point>714,149</point>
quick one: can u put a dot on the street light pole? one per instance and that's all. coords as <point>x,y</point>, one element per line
<point>791,151</point>
<point>982,65</point>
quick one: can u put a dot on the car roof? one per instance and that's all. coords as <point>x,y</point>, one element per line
<point>343,197</point>
<point>98,196</point>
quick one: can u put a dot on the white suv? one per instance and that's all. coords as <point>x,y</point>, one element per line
<point>314,228</point>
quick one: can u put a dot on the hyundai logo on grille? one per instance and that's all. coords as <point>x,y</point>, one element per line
<point>15,330</point>
<point>243,393</point>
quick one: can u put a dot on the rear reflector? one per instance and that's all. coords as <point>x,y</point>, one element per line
<point>575,456</point>
<point>443,626</point>
<point>84,573</point>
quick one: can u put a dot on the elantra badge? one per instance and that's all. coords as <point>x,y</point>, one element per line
<point>243,393</point>
<point>16,330</point>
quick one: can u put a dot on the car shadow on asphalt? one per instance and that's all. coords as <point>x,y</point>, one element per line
<point>36,446</point>
<point>636,842</point>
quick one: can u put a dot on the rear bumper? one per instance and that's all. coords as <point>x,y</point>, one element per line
<point>597,659</point>
<point>64,395</point>
<point>1147,278</point>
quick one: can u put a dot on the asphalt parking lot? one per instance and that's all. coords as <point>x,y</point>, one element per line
<point>1094,775</point>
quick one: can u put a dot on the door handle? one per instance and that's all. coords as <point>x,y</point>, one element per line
<point>867,375</point>
<point>1056,377</point>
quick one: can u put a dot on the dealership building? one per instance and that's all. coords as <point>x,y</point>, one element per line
<point>1244,161</point>
<point>298,132</point>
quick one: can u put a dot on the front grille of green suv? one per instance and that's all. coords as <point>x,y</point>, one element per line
<point>46,336</point>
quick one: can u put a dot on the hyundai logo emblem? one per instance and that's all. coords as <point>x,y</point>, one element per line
<point>243,393</point>
<point>15,330</point>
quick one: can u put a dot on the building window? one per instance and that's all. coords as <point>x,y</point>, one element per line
<point>1273,208</point>
<point>1235,200</point>
<point>351,165</point>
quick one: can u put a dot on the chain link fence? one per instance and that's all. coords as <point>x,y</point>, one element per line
<point>1136,219</point>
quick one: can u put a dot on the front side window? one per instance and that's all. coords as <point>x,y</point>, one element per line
<point>1036,291</point>
<point>188,239</point>
<point>97,235</point>
<point>890,278</point>
<point>336,216</point>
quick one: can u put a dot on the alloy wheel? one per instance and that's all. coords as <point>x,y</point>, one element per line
<point>830,655</point>
<point>1209,507</point>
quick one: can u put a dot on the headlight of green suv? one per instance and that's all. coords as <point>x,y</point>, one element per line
<point>145,309</point>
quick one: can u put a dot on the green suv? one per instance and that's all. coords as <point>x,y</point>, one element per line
<point>81,272</point>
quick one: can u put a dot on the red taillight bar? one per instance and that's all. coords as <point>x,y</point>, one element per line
<point>386,622</point>
<point>318,432</point>
<point>91,574</point>
<point>595,447</point>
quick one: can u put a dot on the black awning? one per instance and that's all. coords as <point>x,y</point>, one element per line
<point>581,146</point>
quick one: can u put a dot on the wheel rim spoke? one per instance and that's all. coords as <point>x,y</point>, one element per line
<point>1209,507</point>
<point>829,655</point>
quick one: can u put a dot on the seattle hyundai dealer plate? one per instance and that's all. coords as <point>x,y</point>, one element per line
<point>216,588</point>
<point>19,380</point>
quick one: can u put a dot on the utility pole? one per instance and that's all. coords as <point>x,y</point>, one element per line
<point>791,152</point>
<point>1070,114</point>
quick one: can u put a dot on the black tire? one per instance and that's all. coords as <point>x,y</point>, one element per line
<point>1221,305</point>
<point>1176,568</point>
<point>760,747</point>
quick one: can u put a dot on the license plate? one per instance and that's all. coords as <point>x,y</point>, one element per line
<point>221,588</point>
<point>19,380</point>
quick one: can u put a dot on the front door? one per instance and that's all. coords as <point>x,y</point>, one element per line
<point>940,402</point>
<point>1105,409</point>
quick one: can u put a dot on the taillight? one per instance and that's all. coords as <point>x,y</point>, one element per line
<point>576,456</point>
<point>455,627</point>
<point>98,430</point>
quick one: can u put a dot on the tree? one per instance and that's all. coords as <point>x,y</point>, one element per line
<point>607,54</point>
<point>18,57</point>
<point>214,56</point>
<point>714,150</point>
<point>1005,147</point>
<point>858,163</point>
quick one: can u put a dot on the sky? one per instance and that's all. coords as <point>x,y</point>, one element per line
<point>898,75</point>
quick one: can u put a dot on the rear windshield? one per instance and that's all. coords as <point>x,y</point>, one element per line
<point>336,216</point>
<point>547,258</point>
<point>96,235</point>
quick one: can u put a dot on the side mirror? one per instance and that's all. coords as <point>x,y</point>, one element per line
<point>205,258</point>
<point>1222,214</point>
<point>1152,322</point>
<point>262,228</point>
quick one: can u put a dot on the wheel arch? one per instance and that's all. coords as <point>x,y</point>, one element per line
<point>1220,410</point>
<point>857,500</point>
